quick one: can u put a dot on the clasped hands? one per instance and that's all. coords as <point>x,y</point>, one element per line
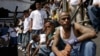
<point>66,51</point>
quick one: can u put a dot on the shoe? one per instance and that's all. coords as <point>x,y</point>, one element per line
<point>23,50</point>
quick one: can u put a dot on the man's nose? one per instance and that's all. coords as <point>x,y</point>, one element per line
<point>66,19</point>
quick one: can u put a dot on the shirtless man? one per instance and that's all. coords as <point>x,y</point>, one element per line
<point>73,39</point>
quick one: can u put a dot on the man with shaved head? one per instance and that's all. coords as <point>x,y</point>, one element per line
<point>72,39</point>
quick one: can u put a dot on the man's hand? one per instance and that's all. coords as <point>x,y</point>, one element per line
<point>68,48</point>
<point>61,53</point>
<point>48,32</point>
<point>65,52</point>
<point>30,29</point>
<point>73,41</point>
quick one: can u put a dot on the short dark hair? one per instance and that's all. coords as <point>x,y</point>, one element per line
<point>38,2</point>
<point>54,23</point>
<point>26,11</point>
<point>34,36</point>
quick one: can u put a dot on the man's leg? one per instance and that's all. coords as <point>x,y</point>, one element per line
<point>92,12</point>
<point>44,50</point>
<point>88,48</point>
<point>23,41</point>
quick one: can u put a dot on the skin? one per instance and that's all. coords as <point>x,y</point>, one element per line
<point>36,49</point>
<point>81,32</point>
<point>49,28</point>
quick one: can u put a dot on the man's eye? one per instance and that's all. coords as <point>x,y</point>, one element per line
<point>66,18</point>
<point>48,26</point>
<point>63,18</point>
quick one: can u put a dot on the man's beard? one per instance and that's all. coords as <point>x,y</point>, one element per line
<point>67,26</point>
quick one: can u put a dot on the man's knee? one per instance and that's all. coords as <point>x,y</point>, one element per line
<point>89,7</point>
<point>89,45</point>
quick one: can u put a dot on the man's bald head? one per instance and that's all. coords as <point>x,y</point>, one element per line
<point>64,19</point>
<point>64,14</point>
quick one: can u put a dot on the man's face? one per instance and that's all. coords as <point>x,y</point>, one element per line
<point>38,5</point>
<point>37,39</point>
<point>26,14</point>
<point>65,20</point>
<point>49,27</point>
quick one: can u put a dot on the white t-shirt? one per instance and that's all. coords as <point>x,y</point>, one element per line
<point>75,2</point>
<point>20,22</point>
<point>96,1</point>
<point>38,17</point>
<point>18,30</point>
<point>26,25</point>
<point>42,38</point>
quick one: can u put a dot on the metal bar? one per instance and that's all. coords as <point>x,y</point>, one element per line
<point>15,14</point>
<point>76,12</point>
<point>82,10</point>
<point>65,5</point>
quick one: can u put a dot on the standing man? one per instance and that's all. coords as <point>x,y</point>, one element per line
<point>25,36</point>
<point>38,18</point>
<point>94,14</point>
<point>73,39</point>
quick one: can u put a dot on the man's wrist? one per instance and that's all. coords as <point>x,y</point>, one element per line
<point>73,41</point>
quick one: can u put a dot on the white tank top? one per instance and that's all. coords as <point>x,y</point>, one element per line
<point>72,35</point>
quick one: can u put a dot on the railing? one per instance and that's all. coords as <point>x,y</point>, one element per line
<point>87,2</point>
<point>8,20</point>
<point>11,19</point>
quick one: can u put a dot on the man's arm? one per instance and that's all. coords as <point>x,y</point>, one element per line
<point>55,42</point>
<point>49,41</point>
<point>86,33</point>
<point>31,17</point>
<point>30,25</point>
<point>28,49</point>
<point>36,51</point>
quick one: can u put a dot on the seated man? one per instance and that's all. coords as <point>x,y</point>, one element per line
<point>94,14</point>
<point>72,39</point>
<point>33,44</point>
<point>45,40</point>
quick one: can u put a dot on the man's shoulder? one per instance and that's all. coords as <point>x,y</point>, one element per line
<point>57,28</point>
<point>76,24</point>
<point>34,11</point>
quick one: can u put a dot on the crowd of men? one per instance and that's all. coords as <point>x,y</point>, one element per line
<point>48,30</point>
